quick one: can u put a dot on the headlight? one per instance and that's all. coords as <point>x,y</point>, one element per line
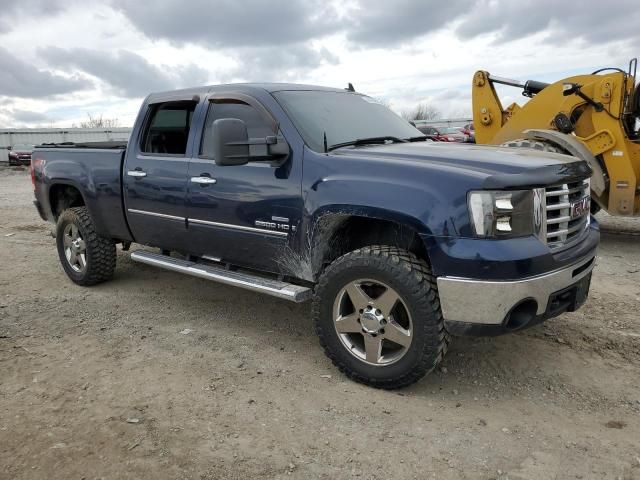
<point>515,213</point>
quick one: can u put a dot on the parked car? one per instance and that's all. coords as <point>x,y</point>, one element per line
<point>20,154</point>
<point>470,132</point>
<point>433,133</point>
<point>399,242</point>
<point>453,134</point>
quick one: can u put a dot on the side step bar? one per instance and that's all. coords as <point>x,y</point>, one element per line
<point>287,291</point>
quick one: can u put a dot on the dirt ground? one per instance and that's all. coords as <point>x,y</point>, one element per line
<point>156,375</point>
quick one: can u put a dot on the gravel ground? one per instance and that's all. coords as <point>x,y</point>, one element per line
<point>156,375</point>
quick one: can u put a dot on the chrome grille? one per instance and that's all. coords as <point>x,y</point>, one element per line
<point>562,229</point>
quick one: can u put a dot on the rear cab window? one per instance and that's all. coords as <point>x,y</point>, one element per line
<point>167,128</point>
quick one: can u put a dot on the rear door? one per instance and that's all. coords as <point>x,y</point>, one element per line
<point>244,214</point>
<point>155,175</point>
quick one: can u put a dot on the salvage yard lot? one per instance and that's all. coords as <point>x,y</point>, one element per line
<point>156,375</point>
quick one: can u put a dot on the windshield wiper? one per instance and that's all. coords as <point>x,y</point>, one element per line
<point>366,141</point>
<point>420,138</point>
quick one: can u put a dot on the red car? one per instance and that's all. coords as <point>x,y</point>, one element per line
<point>20,154</point>
<point>453,134</point>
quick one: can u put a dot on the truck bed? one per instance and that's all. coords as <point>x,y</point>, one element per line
<point>95,169</point>
<point>112,144</point>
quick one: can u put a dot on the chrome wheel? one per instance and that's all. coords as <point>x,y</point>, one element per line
<point>372,322</point>
<point>75,249</point>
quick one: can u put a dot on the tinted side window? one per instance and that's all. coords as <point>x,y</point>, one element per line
<point>257,125</point>
<point>167,129</point>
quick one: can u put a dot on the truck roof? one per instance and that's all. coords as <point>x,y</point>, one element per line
<point>239,87</point>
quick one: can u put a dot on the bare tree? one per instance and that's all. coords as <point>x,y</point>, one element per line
<point>422,111</point>
<point>99,122</point>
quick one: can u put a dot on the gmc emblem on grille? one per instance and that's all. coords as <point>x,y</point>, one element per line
<point>581,207</point>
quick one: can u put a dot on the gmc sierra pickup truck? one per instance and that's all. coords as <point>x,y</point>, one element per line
<point>305,192</point>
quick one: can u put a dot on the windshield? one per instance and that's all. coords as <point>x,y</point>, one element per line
<point>343,117</point>
<point>451,130</point>
<point>22,146</point>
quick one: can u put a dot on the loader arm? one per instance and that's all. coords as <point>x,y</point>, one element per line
<point>611,151</point>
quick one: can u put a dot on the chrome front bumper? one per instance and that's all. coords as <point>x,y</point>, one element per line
<point>488,302</point>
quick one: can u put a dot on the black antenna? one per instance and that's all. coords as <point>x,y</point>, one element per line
<point>326,150</point>
<point>350,88</point>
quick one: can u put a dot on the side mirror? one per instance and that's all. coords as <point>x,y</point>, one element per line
<point>230,142</point>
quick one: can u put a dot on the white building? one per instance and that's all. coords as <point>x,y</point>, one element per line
<point>36,136</point>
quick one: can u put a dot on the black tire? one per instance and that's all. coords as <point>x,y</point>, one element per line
<point>545,147</point>
<point>534,145</point>
<point>100,252</point>
<point>413,281</point>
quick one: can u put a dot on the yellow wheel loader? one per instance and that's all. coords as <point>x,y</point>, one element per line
<point>594,117</point>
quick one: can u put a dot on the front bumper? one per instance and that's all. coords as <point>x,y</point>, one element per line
<point>21,160</point>
<point>489,307</point>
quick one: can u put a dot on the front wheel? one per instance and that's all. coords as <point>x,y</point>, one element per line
<point>86,257</point>
<point>377,314</point>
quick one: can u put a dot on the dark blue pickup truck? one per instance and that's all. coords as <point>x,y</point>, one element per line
<point>306,192</point>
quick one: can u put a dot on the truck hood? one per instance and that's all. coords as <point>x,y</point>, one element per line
<point>498,167</point>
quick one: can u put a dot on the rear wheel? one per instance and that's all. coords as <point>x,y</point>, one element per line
<point>377,314</point>
<point>86,257</point>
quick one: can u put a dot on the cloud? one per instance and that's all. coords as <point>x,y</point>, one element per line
<point>406,51</point>
<point>13,11</point>
<point>28,116</point>
<point>20,79</point>
<point>232,24</point>
<point>380,23</point>
<point>260,24</point>
<point>271,64</point>
<point>452,94</point>
<point>270,40</point>
<point>126,73</point>
<point>592,22</point>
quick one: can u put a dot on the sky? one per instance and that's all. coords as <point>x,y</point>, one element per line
<point>62,60</point>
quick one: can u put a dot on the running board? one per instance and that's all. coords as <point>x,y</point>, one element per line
<point>287,291</point>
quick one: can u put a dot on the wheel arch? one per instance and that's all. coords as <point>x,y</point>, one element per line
<point>337,230</point>
<point>64,194</point>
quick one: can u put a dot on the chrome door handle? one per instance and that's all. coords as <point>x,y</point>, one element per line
<point>203,180</point>
<point>137,173</point>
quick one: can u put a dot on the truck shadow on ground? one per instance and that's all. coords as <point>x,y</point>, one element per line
<point>482,365</point>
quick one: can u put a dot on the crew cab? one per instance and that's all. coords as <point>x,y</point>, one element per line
<point>322,194</point>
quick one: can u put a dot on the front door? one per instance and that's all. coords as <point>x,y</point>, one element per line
<point>155,176</point>
<point>244,214</point>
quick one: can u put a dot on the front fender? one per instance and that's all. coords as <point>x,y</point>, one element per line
<point>417,204</point>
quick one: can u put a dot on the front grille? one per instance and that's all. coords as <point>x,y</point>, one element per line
<point>562,228</point>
